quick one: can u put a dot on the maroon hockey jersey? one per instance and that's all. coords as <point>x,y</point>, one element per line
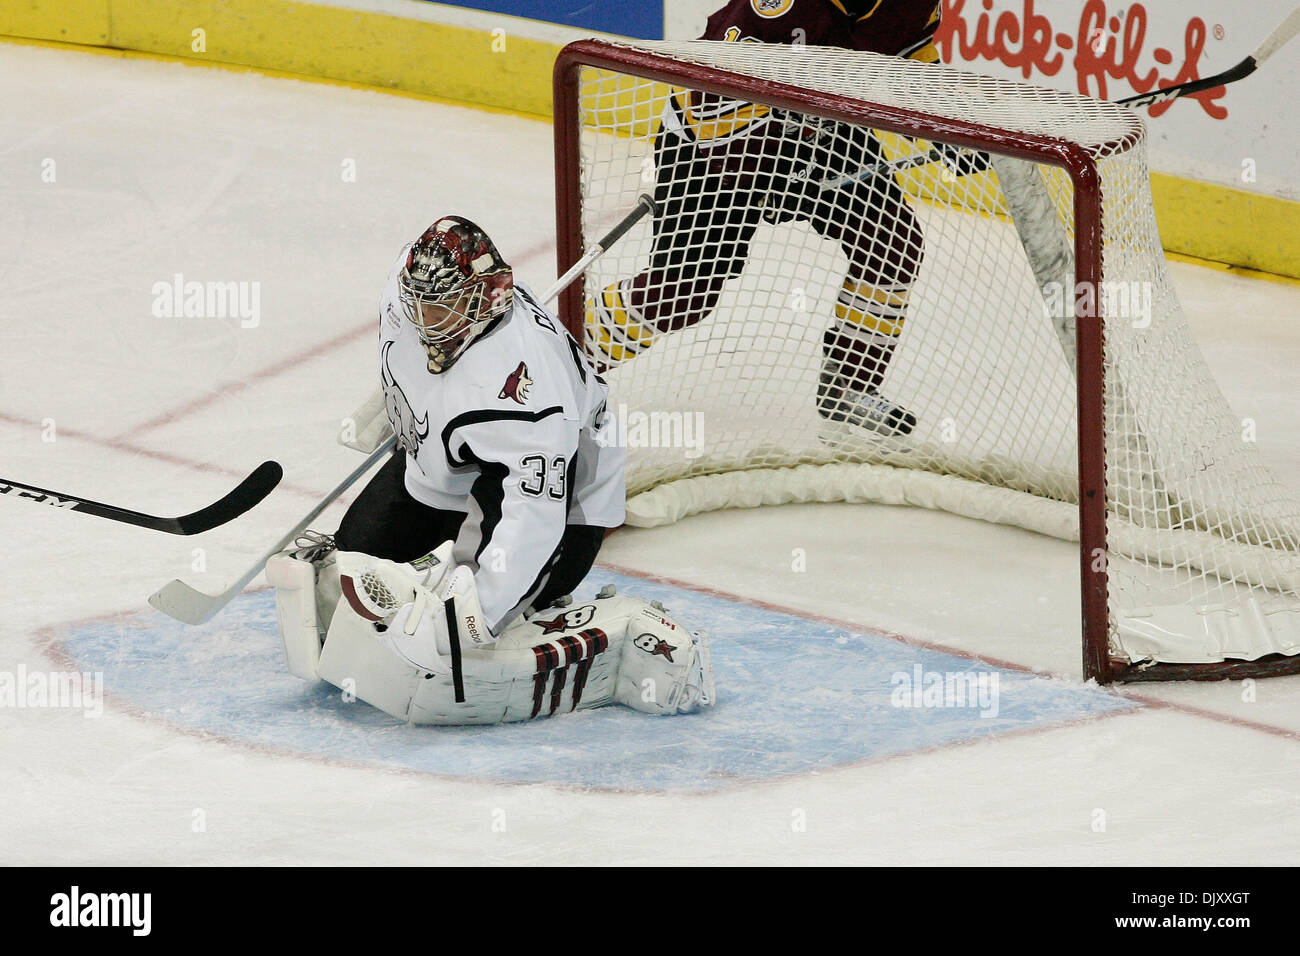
<point>893,27</point>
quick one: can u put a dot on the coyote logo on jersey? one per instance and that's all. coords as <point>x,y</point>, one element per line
<point>410,431</point>
<point>654,645</point>
<point>517,385</point>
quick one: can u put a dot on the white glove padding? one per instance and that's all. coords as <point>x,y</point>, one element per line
<point>420,633</point>
<point>471,628</point>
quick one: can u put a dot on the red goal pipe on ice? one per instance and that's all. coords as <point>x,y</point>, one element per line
<point>1074,159</point>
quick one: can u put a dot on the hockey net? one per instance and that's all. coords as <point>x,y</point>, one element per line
<point>1055,383</point>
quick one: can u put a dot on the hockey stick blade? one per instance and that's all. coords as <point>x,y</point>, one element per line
<point>246,495</point>
<point>188,605</point>
<point>191,606</point>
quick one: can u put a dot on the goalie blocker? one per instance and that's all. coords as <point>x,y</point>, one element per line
<point>378,630</point>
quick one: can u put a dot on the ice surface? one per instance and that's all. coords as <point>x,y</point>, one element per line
<point>205,753</point>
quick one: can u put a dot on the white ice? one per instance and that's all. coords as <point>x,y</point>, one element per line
<point>159,168</point>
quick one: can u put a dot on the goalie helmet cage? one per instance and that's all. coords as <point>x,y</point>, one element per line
<point>1110,432</point>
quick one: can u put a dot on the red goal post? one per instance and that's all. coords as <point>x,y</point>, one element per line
<point>678,66</point>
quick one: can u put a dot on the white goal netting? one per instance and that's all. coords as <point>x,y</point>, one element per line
<point>790,328</point>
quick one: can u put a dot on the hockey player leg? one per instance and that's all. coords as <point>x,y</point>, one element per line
<point>386,633</point>
<point>880,234</point>
<point>854,365</point>
<point>702,232</point>
<point>616,330</point>
<point>645,659</point>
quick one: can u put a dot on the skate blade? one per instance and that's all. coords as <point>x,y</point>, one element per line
<point>855,441</point>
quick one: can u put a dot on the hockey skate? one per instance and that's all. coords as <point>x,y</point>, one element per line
<point>850,412</point>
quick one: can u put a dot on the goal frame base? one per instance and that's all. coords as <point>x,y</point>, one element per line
<point>1274,665</point>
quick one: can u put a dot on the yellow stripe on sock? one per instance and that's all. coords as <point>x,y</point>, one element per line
<point>601,321</point>
<point>605,342</point>
<point>870,322</point>
<point>893,298</point>
<point>612,296</point>
<point>927,54</point>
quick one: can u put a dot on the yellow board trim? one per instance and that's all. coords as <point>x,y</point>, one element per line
<point>359,48</point>
<point>67,21</point>
<point>335,43</point>
<point>274,74</point>
<point>1231,226</point>
<point>1244,271</point>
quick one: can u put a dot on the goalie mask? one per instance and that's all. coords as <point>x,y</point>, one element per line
<point>454,285</point>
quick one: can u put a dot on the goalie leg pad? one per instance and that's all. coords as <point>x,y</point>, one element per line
<point>294,581</point>
<point>306,582</point>
<point>665,669</point>
<point>354,661</point>
<point>611,650</point>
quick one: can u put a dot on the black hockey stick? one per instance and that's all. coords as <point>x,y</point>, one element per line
<point>644,204</point>
<point>189,605</point>
<point>243,497</point>
<point>1282,34</point>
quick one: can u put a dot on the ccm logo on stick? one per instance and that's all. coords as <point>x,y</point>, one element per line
<point>46,499</point>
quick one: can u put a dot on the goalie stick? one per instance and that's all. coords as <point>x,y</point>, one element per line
<point>191,606</point>
<point>1282,34</point>
<point>244,496</point>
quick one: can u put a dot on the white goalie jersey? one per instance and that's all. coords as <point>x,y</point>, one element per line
<point>515,434</point>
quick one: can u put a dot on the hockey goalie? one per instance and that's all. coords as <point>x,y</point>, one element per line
<point>442,597</point>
